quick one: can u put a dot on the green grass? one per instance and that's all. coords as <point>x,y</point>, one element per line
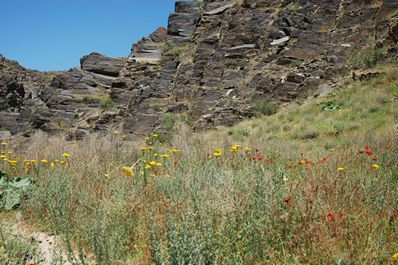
<point>281,202</point>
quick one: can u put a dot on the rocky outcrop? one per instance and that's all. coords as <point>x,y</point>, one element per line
<point>149,49</point>
<point>100,64</point>
<point>215,59</point>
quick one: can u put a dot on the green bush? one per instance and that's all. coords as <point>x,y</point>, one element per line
<point>265,108</point>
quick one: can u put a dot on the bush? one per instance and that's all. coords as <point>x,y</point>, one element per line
<point>265,108</point>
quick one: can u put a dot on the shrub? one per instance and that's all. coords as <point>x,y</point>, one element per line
<point>265,108</point>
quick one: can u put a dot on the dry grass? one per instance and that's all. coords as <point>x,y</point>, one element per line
<point>284,204</point>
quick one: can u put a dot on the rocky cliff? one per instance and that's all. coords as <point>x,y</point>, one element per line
<point>214,60</point>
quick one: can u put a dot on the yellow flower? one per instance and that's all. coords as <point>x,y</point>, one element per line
<point>147,138</point>
<point>151,148</point>
<point>375,166</point>
<point>43,161</point>
<point>340,169</point>
<point>128,171</point>
<point>172,150</point>
<point>165,156</point>
<point>148,166</point>
<point>144,149</point>
<point>158,164</point>
<point>395,257</point>
<point>217,152</point>
<point>2,157</point>
<point>155,135</point>
<point>9,152</point>
<point>66,155</point>
<point>152,163</point>
<point>12,162</point>
<point>33,161</point>
<point>62,162</point>
<point>4,144</point>
<point>248,149</point>
<point>155,155</point>
<point>52,165</point>
<point>234,148</point>
<point>116,132</point>
<point>124,136</point>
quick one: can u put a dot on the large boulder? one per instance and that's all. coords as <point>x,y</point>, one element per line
<point>101,64</point>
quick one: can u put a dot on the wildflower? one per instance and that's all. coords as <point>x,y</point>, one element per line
<point>248,149</point>
<point>66,155</point>
<point>62,162</point>
<point>144,149</point>
<point>146,138</point>
<point>158,164</point>
<point>340,169</point>
<point>127,171</point>
<point>33,161</point>
<point>389,164</point>
<point>257,150</point>
<point>368,153</point>
<point>116,132</point>
<point>172,150</point>
<point>152,163</point>
<point>52,165</point>
<point>2,157</point>
<point>367,148</point>
<point>375,166</point>
<point>151,148</point>
<point>341,216</point>
<point>148,166</point>
<point>395,257</point>
<point>155,135</point>
<point>330,217</point>
<point>288,201</point>
<point>124,136</point>
<point>4,144</point>
<point>155,171</point>
<point>165,156</point>
<point>374,158</point>
<point>29,211</point>
<point>155,155</point>
<point>44,161</point>
<point>217,152</point>
<point>9,152</point>
<point>234,148</point>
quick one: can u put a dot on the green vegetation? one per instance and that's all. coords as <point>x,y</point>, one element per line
<point>315,183</point>
<point>370,57</point>
<point>183,53</point>
<point>264,107</point>
<point>16,251</point>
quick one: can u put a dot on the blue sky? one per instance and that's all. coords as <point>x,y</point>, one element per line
<point>54,34</point>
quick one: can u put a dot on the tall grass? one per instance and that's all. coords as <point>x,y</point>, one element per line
<point>282,202</point>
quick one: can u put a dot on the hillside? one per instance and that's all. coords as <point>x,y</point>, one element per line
<point>247,132</point>
<point>314,184</point>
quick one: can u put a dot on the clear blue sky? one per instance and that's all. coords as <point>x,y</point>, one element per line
<point>54,34</point>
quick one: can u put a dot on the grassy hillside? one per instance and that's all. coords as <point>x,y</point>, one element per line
<point>315,183</point>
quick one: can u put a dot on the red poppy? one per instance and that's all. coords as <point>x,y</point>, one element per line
<point>341,216</point>
<point>368,153</point>
<point>260,158</point>
<point>288,201</point>
<point>360,152</point>
<point>330,216</point>
<point>374,158</point>
<point>367,148</point>
<point>29,211</point>
<point>257,150</point>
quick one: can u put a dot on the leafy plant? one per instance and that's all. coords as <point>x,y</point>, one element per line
<point>330,106</point>
<point>11,192</point>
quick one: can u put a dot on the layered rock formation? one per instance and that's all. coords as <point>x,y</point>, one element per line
<point>213,61</point>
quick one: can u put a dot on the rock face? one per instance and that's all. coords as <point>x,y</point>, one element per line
<point>215,59</point>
